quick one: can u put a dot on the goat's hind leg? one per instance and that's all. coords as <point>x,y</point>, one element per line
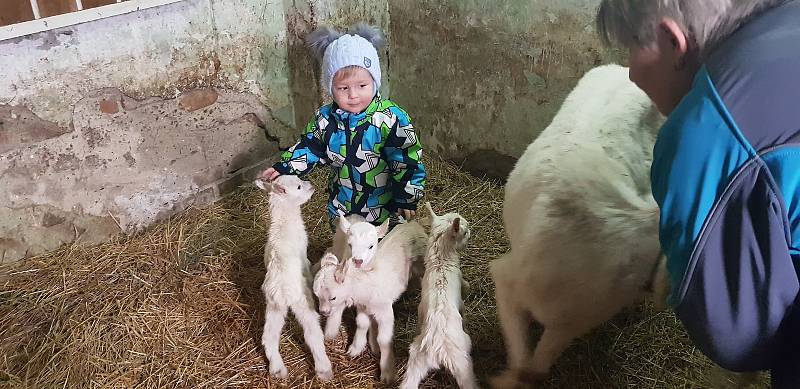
<point>550,346</point>
<point>274,318</point>
<point>418,366</point>
<point>461,368</point>
<point>514,324</point>
<point>312,333</point>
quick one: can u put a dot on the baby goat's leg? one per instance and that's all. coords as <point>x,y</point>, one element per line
<point>462,370</point>
<point>373,337</point>
<point>418,366</point>
<point>360,337</point>
<point>274,318</point>
<point>385,320</point>
<point>333,322</point>
<point>309,320</point>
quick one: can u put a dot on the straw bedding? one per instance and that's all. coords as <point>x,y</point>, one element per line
<point>179,305</point>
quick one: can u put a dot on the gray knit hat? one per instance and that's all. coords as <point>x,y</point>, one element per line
<point>337,50</point>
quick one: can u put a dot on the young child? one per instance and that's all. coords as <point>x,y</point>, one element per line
<point>369,142</point>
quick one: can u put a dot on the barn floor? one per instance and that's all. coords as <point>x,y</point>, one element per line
<point>179,305</point>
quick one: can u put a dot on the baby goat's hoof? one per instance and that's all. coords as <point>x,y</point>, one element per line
<point>331,334</point>
<point>354,351</point>
<point>278,371</point>
<point>389,376</point>
<point>325,375</point>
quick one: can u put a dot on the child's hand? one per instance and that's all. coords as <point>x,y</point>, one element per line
<point>406,213</point>
<point>269,175</point>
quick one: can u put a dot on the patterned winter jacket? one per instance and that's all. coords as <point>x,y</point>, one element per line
<point>375,156</point>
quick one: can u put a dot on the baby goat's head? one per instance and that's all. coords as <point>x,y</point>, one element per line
<point>451,226</point>
<point>287,188</point>
<point>362,239</point>
<point>328,291</point>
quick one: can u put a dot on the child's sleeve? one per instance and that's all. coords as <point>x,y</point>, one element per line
<point>403,152</point>
<point>301,158</point>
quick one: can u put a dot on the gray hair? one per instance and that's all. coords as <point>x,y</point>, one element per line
<point>707,23</point>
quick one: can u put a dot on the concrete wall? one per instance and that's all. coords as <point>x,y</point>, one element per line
<point>482,79</point>
<point>93,140</point>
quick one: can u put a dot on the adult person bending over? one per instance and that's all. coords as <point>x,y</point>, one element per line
<point>726,167</point>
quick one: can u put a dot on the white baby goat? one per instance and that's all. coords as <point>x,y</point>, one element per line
<point>372,293</point>
<point>581,221</point>
<point>442,340</point>
<point>287,282</point>
<point>355,244</point>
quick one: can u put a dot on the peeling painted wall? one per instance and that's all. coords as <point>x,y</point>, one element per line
<point>110,125</point>
<point>239,44</point>
<point>482,79</point>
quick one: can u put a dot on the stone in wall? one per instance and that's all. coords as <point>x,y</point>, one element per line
<point>123,165</point>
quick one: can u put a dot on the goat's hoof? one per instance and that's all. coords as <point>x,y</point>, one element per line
<point>331,335</point>
<point>389,376</point>
<point>515,379</point>
<point>325,375</point>
<point>531,378</point>
<point>506,380</point>
<point>354,351</point>
<point>278,371</point>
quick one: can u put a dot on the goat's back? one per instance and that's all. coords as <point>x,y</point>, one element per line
<point>606,123</point>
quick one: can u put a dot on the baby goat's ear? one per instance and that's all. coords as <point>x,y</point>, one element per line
<point>456,226</point>
<point>344,224</point>
<point>277,188</point>
<point>340,273</point>
<point>329,259</point>
<point>383,229</point>
<point>430,209</point>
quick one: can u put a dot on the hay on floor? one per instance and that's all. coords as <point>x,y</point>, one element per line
<point>179,305</point>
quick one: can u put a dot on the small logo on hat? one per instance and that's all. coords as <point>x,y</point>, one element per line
<point>367,62</point>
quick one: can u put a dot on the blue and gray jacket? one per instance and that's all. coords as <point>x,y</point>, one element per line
<point>726,175</point>
<point>375,155</point>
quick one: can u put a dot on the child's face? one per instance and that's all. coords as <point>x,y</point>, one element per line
<point>354,91</point>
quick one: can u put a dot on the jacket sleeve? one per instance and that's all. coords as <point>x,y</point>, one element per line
<point>301,158</point>
<point>403,152</point>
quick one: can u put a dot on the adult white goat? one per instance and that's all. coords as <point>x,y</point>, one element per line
<point>581,221</point>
